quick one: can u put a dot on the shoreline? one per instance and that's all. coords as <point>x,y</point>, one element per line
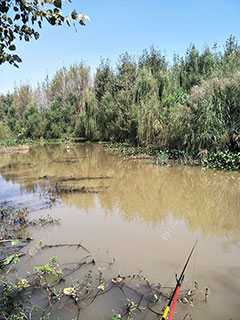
<point>222,160</point>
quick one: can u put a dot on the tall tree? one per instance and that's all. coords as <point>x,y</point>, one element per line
<point>104,80</point>
<point>22,98</point>
<point>71,85</point>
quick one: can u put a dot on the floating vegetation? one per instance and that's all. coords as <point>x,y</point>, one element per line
<point>44,221</point>
<point>73,285</point>
<point>72,189</point>
<point>50,198</point>
<point>222,161</point>
<point>13,220</point>
<point>13,236</point>
<point>154,154</point>
<point>57,285</point>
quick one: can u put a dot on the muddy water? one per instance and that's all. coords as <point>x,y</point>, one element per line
<point>145,217</point>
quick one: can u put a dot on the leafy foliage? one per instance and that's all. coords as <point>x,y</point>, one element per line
<point>223,160</point>
<point>23,19</point>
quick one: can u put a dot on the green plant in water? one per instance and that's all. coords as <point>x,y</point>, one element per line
<point>12,299</point>
<point>162,158</point>
<point>222,160</point>
<point>51,268</point>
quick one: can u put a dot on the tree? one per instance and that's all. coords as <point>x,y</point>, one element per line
<point>32,122</point>
<point>71,85</point>
<point>5,103</point>
<point>53,120</point>
<point>104,80</point>
<point>22,19</point>
<point>22,97</point>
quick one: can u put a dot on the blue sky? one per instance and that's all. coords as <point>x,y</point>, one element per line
<point>118,26</point>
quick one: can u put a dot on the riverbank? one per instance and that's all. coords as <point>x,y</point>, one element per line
<point>221,160</point>
<point>18,146</point>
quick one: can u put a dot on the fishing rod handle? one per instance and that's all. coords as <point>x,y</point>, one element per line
<point>165,313</point>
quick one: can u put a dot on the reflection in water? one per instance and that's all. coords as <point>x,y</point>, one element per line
<point>203,199</point>
<point>146,215</point>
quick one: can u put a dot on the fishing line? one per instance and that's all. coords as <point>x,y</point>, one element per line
<point>194,268</point>
<point>178,267</point>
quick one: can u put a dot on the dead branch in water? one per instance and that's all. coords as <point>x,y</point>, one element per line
<point>78,245</point>
<point>70,160</point>
<point>83,189</point>
<point>83,178</point>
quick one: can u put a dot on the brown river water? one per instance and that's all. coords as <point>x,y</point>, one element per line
<point>146,217</point>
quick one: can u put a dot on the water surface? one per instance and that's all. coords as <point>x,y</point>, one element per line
<point>145,216</point>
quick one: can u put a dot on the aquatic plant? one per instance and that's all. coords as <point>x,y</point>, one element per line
<point>138,294</point>
<point>223,161</point>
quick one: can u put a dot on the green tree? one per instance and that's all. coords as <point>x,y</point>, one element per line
<point>104,80</point>
<point>154,60</point>
<point>5,103</point>
<point>230,62</point>
<point>12,118</point>
<point>80,127</point>
<point>208,64</point>
<point>106,117</point>
<point>147,105</point>
<point>191,68</point>
<point>32,122</point>
<point>54,123</point>
<point>22,19</point>
<point>5,132</point>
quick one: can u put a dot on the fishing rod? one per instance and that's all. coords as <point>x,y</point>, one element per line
<point>177,288</point>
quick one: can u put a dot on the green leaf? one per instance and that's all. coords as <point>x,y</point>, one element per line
<point>14,242</point>
<point>7,260</point>
<point>41,243</point>
<point>16,260</point>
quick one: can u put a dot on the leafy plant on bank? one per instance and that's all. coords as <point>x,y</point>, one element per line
<point>223,161</point>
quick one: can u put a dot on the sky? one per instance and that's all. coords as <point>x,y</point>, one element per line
<point>119,26</point>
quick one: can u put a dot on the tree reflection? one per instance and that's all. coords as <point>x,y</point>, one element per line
<point>208,200</point>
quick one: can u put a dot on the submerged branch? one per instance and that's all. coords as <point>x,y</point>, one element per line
<point>83,178</point>
<point>79,245</point>
<point>83,189</point>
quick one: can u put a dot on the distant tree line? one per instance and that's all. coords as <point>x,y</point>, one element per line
<point>192,104</point>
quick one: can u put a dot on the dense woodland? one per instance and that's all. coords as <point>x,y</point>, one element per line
<point>191,104</point>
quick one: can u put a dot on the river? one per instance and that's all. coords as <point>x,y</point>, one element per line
<point>141,215</point>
